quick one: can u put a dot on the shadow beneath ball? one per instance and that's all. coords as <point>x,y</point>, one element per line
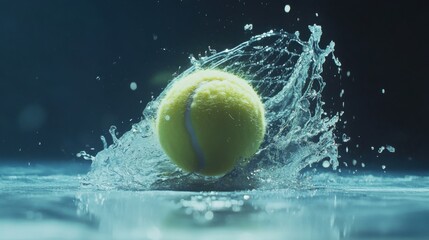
<point>236,180</point>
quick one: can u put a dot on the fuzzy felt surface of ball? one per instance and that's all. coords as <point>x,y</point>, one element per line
<point>210,121</point>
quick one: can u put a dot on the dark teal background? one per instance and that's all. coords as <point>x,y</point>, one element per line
<point>66,67</point>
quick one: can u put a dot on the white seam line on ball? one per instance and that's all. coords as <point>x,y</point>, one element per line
<point>189,128</point>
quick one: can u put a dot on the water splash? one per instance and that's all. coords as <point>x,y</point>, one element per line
<point>286,72</point>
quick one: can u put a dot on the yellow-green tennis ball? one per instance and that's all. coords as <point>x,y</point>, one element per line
<point>209,121</point>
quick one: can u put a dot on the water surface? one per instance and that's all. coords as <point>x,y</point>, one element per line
<point>43,202</point>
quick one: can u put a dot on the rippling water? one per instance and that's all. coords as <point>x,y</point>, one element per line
<point>48,202</point>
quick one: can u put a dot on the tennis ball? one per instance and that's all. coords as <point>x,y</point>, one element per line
<point>209,121</point>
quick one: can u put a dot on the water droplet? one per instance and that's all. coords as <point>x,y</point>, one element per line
<point>287,8</point>
<point>345,138</point>
<point>390,148</point>
<point>248,27</point>
<point>383,91</point>
<point>383,167</point>
<point>326,164</point>
<point>133,86</point>
<point>84,155</point>
<point>381,149</point>
<point>354,162</point>
<point>167,117</point>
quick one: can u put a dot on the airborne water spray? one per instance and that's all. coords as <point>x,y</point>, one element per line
<point>286,72</point>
